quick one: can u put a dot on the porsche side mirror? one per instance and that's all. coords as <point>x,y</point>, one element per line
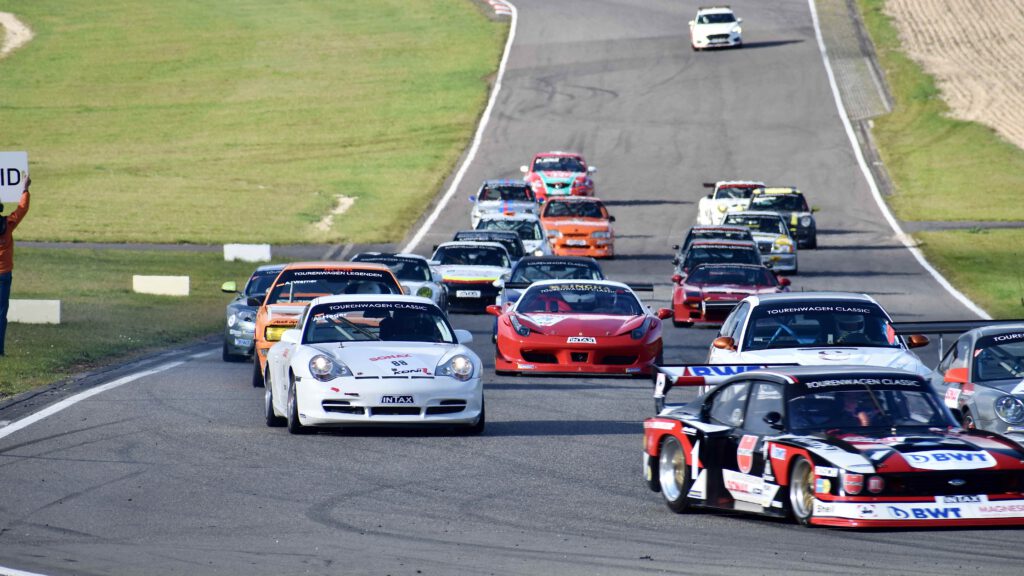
<point>677,278</point>
<point>956,376</point>
<point>774,420</point>
<point>675,246</point>
<point>591,169</point>
<point>493,309</point>
<point>691,22</point>
<point>229,287</point>
<point>433,262</point>
<point>611,218</point>
<point>724,343</point>
<point>814,209</point>
<point>498,283</point>
<point>463,336</point>
<point>524,169</point>
<point>917,341</point>
<point>784,281</point>
<point>292,336</point>
<point>472,198</point>
<point>739,20</point>
<point>664,313</point>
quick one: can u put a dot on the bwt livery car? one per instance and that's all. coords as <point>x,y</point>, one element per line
<point>832,446</point>
<point>363,361</point>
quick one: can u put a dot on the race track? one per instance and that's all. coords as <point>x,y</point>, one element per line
<point>175,473</point>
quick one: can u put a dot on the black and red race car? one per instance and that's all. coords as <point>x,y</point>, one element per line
<point>845,446</point>
<point>578,327</point>
<point>710,291</point>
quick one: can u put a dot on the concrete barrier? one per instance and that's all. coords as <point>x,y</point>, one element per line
<point>161,285</point>
<point>34,311</point>
<point>247,252</point>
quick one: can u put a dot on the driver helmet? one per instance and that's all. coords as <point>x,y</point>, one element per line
<point>850,323</point>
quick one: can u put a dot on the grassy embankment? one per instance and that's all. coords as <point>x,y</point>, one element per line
<point>233,121</point>
<point>947,169</point>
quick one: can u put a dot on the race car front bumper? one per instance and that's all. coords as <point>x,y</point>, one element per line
<point>968,510</point>
<point>581,246</point>
<point>780,262</point>
<point>543,354</point>
<point>729,40</point>
<point>471,296</point>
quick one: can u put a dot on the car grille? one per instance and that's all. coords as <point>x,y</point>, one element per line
<point>765,247</point>
<point>395,411</point>
<point>938,484</point>
<point>341,407</point>
<point>718,37</point>
<point>540,358</point>
<point>558,185</point>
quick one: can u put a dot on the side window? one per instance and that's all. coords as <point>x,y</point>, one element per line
<point>962,354</point>
<point>767,397</point>
<point>730,323</point>
<point>947,360</point>
<point>727,405</point>
<point>741,319</point>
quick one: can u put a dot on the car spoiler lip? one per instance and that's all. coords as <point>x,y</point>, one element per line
<point>946,326</point>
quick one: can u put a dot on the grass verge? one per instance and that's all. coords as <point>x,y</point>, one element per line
<point>942,168</point>
<point>103,321</point>
<point>242,120</point>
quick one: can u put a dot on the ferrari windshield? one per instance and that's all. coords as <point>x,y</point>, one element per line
<point>853,409</point>
<point>527,229</point>
<point>579,298</point>
<point>555,270</point>
<point>471,256</point>
<point>404,268</point>
<point>558,164</point>
<point>732,275</point>
<point>387,321</point>
<point>505,192</point>
<point>779,202</point>
<point>999,357</point>
<point>764,224</point>
<point>304,285</point>
<point>720,254</point>
<point>826,323</point>
<point>574,209</point>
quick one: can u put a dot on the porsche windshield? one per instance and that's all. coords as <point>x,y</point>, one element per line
<point>386,321</point>
<point>732,275</point>
<point>261,281</point>
<point>779,202</point>
<point>999,357</point>
<point>554,270</point>
<point>818,324</point>
<point>527,229</point>
<point>558,164</point>
<point>559,209</point>
<point>572,298</point>
<point>405,269</point>
<point>471,256</point>
<point>759,224</point>
<point>858,409</point>
<point>304,285</point>
<point>508,193</point>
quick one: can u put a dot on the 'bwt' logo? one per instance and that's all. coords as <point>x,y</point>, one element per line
<point>924,513</point>
<point>722,370</point>
<point>949,460</point>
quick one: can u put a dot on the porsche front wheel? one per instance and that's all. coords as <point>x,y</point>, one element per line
<point>294,425</point>
<point>673,475</point>
<point>273,420</point>
<point>801,491</point>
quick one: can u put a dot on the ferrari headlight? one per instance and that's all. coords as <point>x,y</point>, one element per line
<point>601,234</point>
<point>425,292</point>
<point>324,368</point>
<point>518,326</point>
<point>805,221</point>
<point>782,244</point>
<point>459,367</point>
<point>1010,409</point>
<point>640,330</point>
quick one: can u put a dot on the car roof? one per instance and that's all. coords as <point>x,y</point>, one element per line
<point>729,265</point>
<point>574,199</point>
<point>998,329</point>
<point>557,153</point>
<point>714,10</point>
<point>766,213</point>
<point>268,268</point>
<point>719,227</point>
<point>497,233</point>
<point>750,183</point>
<point>507,216</point>
<point>336,298</point>
<point>472,244</point>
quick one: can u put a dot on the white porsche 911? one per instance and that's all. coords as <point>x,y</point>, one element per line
<point>363,360</point>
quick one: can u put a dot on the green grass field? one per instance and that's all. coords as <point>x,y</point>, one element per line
<point>242,120</point>
<point>943,169</point>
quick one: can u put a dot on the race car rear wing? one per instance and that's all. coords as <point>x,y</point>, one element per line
<point>703,375</point>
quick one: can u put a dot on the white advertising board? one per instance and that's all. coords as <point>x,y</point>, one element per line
<point>13,171</point>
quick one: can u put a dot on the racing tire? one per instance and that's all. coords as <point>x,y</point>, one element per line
<point>481,423</point>
<point>674,475</point>
<point>967,420</point>
<point>651,473</point>
<point>294,425</point>
<point>679,324</point>
<point>273,420</point>
<point>813,243</point>
<point>801,491</point>
<point>257,374</point>
<point>228,356</point>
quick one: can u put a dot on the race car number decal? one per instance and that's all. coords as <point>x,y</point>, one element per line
<point>581,340</point>
<point>397,400</point>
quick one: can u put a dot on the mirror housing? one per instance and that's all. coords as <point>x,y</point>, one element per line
<point>611,218</point>
<point>814,209</point>
<point>917,341</point>
<point>493,309</point>
<point>463,336</point>
<point>292,336</point>
<point>472,198</point>
<point>724,343</point>
<point>785,282</point>
<point>664,313</point>
<point>774,420</point>
<point>677,278</point>
<point>230,287</point>
<point>255,301</point>
<point>524,169</point>
<point>956,376</point>
<point>591,169</point>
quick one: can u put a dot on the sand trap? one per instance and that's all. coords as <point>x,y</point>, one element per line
<point>16,34</point>
<point>973,48</point>
<point>342,204</point>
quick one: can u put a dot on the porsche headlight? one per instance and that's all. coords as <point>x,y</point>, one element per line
<point>554,234</point>
<point>325,369</point>
<point>805,221</point>
<point>601,234</point>
<point>782,244</point>
<point>1010,409</point>
<point>459,367</point>
<point>425,292</point>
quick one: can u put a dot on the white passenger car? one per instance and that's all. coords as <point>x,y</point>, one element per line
<point>715,27</point>
<point>364,360</point>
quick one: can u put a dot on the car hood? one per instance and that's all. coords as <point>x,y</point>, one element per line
<point>457,272</point>
<point>581,324</point>
<point>719,290</point>
<point>897,358</point>
<point>506,206</point>
<point>377,358</point>
<point>558,176</point>
<point>709,29</point>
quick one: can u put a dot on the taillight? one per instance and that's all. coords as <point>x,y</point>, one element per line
<point>853,483</point>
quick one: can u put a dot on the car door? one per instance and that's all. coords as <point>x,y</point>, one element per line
<point>958,356</point>
<point>745,483</point>
<point>723,409</point>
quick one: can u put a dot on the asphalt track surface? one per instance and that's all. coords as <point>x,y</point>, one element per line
<point>175,472</point>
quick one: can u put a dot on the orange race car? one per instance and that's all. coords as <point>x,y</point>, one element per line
<point>579,226</point>
<point>300,282</point>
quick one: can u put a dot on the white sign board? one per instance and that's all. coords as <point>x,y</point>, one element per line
<point>13,171</point>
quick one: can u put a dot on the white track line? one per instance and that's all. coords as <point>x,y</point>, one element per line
<point>4,571</point>
<point>906,240</point>
<point>411,246</point>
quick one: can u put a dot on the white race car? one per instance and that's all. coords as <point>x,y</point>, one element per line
<point>728,196</point>
<point>814,329</point>
<point>715,27</point>
<point>364,360</point>
<point>502,197</point>
<point>413,272</point>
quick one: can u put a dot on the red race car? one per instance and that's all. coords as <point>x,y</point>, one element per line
<point>578,327</point>
<point>710,291</point>
<point>559,174</point>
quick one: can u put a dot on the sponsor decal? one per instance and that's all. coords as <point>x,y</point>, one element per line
<point>581,340</point>
<point>390,399</point>
<point>390,357</point>
<point>657,425</point>
<point>853,483</point>
<point>867,511</point>
<point>373,305</point>
<point>689,431</point>
<point>863,382</point>
<point>745,452</point>
<point>826,471</point>
<point>577,288</point>
<point>949,460</point>
<point>330,273</point>
<point>924,512</point>
<point>243,341</point>
<point>972,499</point>
<point>632,370</point>
<point>823,486</point>
<point>525,366</point>
<point>875,484</point>
<point>1008,337</point>
<point>1001,509</point>
<point>721,370</point>
<point>823,509</point>
<point>402,371</point>
<point>833,308</point>
<point>952,397</point>
<point>778,452</point>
